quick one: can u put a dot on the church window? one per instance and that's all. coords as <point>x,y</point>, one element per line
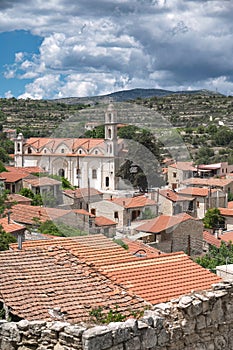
<point>29,150</point>
<point>94,174</point>
<point>109,133</point>
<point>93,211</point>
<point>110,117</point>
<point>18,147</point>
<point>96,152</point>
<point>79,151</point>
<point>45,151</point>
<point>61,172</point>
<point>107,181</point>
<point>62,150</point>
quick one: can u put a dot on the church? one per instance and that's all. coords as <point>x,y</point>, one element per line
<point>85,162</point>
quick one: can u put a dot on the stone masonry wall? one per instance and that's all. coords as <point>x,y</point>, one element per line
<point>199,321</point>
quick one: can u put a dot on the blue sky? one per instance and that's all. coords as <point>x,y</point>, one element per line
<point>64,48</point>
<point>11,44</point>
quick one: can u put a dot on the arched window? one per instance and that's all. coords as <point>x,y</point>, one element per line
<point>61,172</point>
<point>107,181</point>
<point>79,151</point>
<point>29,150</point>
<point>62,150</point>
<point>18,147</point>
<point>110,117</point>
<point>109,133</point>
<point>94,174</point>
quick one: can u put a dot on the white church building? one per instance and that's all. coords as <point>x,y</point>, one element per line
<point>83,161</point>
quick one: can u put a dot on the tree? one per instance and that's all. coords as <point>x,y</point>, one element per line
<point>5,239</point>
<point>216,257</point>
<point>213,219</point>
<point>48,227</point>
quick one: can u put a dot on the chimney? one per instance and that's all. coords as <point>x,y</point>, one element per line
<point>20,241</point>
<point>9,217</point>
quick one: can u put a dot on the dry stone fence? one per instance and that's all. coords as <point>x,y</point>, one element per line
<point>199,321</point>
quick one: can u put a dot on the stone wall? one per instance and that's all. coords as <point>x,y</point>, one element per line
<point>199,321</point>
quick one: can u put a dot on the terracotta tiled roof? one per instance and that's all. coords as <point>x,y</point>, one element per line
<point>143,249</point>
<point>82,212</point>
<point>163,222</point>
<point>227,237</point>
<point>42,181</point>
<point>162,278</point>
<point>28,169</point>
<point>207,182</point>
<point>226,211</point>
<point>82,192</point>
<point>173,196</point>
<point>211,239</point>
<point>72,143</point>
<point>230,205</point>
<point>14,176</point>
<point>25,213</point>
<point>11,227</point>
<point>103,221</point>
<point>52,283</point>
<point>155,279</point>
<point>96,249</point>
<point>133,202</point>
<point>17,198</point>
<point>197,191</point>
<point>183,166</point>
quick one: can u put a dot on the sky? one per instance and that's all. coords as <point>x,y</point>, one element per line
<point>64,48</point>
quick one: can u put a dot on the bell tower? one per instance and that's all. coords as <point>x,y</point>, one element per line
<point>111,129</point>
<point>19,141</point>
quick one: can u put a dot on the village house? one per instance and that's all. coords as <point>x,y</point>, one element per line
<point>171,203</point>
<point>85,162</point>
<point>80,198</point>
<point>211,170</point>
<point>174,233</point>
<point>12,227</point>
<point>228,216</point>
<point>16,198</point>
<point>96,271</point>
<point>205,198</point>
<point>178,172</point>
<point>44,186</point>
<point>226,185</point>
<point>125,210</point>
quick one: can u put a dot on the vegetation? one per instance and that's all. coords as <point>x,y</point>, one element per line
<point>121,243</point>
<point>213,219</point>
<point>216,257</point>
<point>5,239</point>
<point>59,229</point>
<point>101,316</point>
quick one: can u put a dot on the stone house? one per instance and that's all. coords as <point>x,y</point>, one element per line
<point>15,229</point>
<point>125,210</point>
<point>174,233</point>
<point>228,216</point>
<point>171,203</point>
<point>81,197</point>
<point>210,170</point>
<point>44,185</point>
<point>179,172</point>
<point>205,198</point>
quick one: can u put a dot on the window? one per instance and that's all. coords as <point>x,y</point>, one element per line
<point>45,151</point>
<point>18,147</point>
<point>198,204</point>
<point>96,152</point>
<point>62,150</point>
<point>94,174</point>
<point>29,150</point>
<point>93,211</point>
<point>109,133</point>
<point>79,151</point>
<point>61,172</point>
<point>116,216</point>
<point>107,181</point>
<point>174,174</point>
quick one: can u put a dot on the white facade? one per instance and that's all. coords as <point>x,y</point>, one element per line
<point>84,162</point>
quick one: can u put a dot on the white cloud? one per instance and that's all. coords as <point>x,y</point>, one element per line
<point>99,48</point>
<point>8,94</point>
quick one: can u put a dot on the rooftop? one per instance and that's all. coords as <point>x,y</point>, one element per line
<point>42,181</point>
<point>163,222</point>
<point>197,191</point>
<point>211,239</point>
<point>71,271</point>
<point>82,192</point>
<point>133,202</point>
<point>186,166</point>
<point>173,196</point>
<point>211,181</point>
<point>11,227</point>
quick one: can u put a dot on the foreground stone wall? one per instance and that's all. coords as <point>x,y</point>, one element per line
<point>199,321</point>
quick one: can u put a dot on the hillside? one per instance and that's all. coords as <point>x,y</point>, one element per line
<point>179,120</point>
